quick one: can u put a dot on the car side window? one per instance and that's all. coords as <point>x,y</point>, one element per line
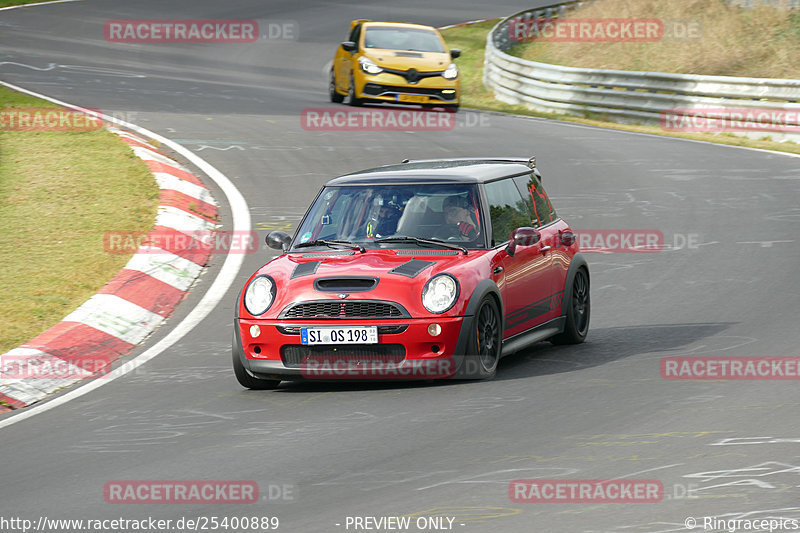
<point>507,209</point>
<point>536,199</point>
<point>355,34</point>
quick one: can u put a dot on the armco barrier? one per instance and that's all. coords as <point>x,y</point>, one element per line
<point>636,97</point>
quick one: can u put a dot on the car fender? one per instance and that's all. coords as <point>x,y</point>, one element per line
<point>236,343</point>
<point>483,288</point>
<point>577,262</point>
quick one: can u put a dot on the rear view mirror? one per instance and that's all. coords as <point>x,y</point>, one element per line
<point>279,240</point>
<point>349,46</point>
<point>455,52</point>
<point>522,237</point>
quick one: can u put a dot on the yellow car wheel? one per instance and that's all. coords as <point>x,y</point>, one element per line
<point>352,100</point>
<point>336,98</point>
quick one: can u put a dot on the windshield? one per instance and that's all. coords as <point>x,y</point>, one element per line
<point>367,214</point>
<point>392,38</point>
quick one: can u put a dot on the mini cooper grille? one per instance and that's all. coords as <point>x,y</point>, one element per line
<point>293,355</point>
<point>338,309</point>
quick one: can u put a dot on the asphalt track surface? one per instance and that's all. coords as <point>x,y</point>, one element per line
<point>596,411</point>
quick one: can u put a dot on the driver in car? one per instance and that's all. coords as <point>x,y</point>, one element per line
<point>388,217</point>
<point>458,219</point>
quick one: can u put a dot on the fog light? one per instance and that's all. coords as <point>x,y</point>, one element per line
<point>434,329</point>
<point>448,91</point>
<point>255,331</point>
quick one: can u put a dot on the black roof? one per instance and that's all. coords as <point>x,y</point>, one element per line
<point>463,170</point>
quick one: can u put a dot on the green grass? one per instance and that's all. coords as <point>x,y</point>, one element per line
<point>758,42</point>
<point>59,193</point>
<point>7,3</point>
<point>471,39</point>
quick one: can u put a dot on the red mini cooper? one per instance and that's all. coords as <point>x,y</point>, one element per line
<point>423,270</point>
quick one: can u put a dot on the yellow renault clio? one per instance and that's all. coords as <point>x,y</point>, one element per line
<point>395,62</point>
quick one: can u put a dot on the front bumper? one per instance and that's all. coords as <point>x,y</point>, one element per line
<point>405,350</point>
<point>393,88</point>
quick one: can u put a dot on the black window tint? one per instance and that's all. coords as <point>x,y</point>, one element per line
<point>506,208</point>
<point>539,204</point>
<point>355,34</point>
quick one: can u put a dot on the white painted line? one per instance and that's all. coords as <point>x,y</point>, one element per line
<point>117,317</point>
<point>174,183</point>
<point>38,4</point>
<point>215,293</point>
<point>165,267</point>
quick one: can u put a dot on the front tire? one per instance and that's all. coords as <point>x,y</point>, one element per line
<point>351,94</point>
<point>336,98</point>
<point>245,379</point>
<point>485,343</point>
<point>578,311</point>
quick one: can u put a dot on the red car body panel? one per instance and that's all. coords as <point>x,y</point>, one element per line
<point>530,281</point>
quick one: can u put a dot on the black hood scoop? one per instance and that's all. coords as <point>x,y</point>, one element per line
<point>411,268</point>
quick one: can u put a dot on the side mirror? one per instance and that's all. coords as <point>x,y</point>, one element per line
<point>522,237</point>
<point>349,46</point>
<point>279,240</point>
<point>455,52</point>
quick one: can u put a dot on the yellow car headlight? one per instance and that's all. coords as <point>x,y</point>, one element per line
<point>369,66</point>
<point>451,72</point>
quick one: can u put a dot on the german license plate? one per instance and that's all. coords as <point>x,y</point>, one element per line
<point>342,335</point>
<point>413,98</point>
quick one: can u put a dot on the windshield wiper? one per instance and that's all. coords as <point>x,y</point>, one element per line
<point>332,244</point>
<point>435,242</point>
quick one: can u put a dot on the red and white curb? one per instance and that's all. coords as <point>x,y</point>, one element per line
<point>130,306</point>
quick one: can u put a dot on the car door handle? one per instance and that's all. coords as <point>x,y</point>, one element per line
<point>497,270</point>
<point>545,249</point>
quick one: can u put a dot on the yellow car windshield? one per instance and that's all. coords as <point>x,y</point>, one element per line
<point>409,39</point>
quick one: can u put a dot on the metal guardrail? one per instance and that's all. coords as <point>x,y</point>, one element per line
<point>760,107</point>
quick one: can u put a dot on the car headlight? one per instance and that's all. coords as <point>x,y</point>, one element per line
<point>259,295</point>
<point>440,293</point>
<point>369,66</point>
<point>451,72</point>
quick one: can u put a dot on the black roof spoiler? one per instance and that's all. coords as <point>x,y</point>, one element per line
<point>530,162</point>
